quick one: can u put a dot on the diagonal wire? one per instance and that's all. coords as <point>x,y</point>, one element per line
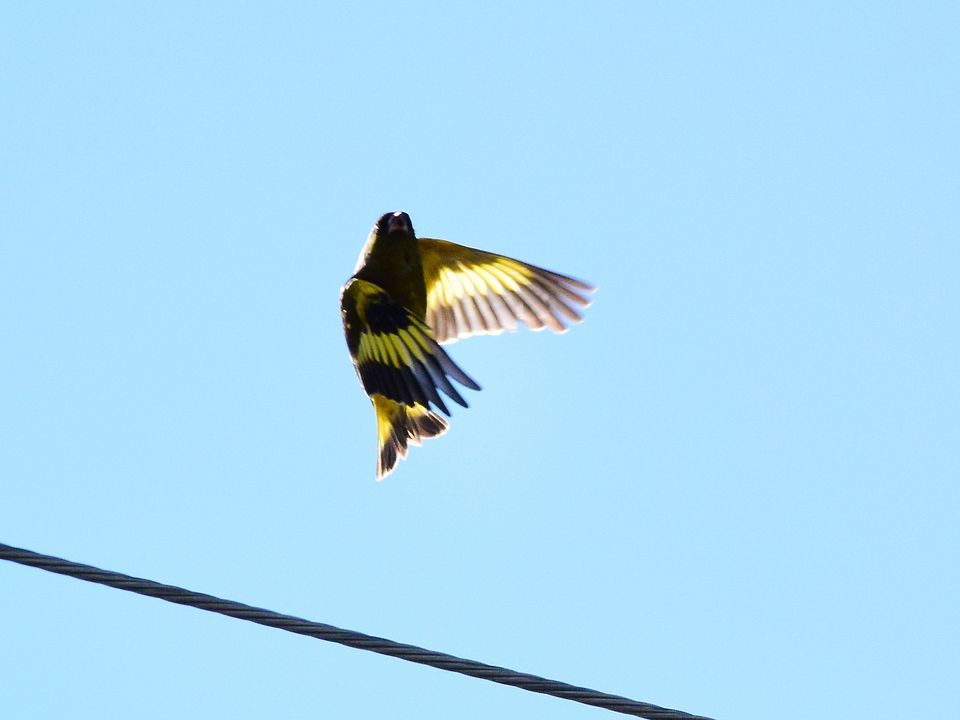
<point>412,653</point>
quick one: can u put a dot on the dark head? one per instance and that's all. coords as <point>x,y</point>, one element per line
<point>394,222</point>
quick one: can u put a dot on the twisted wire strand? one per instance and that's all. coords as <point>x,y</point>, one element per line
<point>350,638</point>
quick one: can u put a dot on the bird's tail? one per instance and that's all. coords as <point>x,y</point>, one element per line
<point>399,424</point>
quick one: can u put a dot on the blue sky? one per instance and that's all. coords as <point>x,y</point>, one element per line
<point>732,490</point>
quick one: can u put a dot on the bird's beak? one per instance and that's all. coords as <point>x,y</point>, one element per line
<point>399,222</point>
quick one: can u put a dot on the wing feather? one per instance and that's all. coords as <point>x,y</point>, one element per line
<point>472,292</point>
<point>395,353</point>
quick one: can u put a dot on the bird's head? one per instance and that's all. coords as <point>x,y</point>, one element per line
<point>394,222</point>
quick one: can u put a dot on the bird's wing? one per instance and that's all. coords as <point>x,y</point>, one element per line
<point>394,351</point>
<point>472,292</point>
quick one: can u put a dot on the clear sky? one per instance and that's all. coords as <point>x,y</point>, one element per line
<point>732,490</point>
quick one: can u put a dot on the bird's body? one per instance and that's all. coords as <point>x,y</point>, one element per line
<point>392,262</point>
<point>408,295</point>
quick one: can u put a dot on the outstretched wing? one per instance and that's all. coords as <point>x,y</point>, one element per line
<point>472,292</point>
<point>395,353</point>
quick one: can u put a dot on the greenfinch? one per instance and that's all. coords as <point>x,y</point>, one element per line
<point>409,295</point>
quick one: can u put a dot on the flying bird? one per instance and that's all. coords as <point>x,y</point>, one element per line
<point>409,295</point>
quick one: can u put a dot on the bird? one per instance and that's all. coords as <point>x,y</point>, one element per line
<point>408,296</point>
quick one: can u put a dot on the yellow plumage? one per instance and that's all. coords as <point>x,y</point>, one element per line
<point>408,295</point>
<point>399,424</point>
<point>472,292</point>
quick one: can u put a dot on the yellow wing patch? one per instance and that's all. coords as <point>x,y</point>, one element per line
<point>472,292</point>
<point>395,353</point>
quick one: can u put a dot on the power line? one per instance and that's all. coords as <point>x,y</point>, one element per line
<point>412,653</point>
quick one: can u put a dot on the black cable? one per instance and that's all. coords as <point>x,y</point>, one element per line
<point>180,596</point>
